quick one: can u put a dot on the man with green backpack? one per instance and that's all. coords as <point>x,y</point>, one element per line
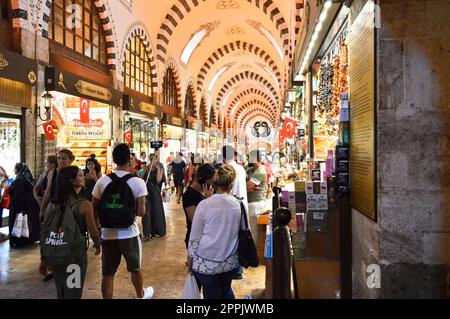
<point>117,199</point>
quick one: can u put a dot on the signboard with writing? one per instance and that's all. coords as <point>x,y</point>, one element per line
<point>362,103</point>
<point>18,68</point>
<point>68,83</point>
<point>96,125</point>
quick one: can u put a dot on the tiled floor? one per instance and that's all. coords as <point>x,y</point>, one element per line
<point>163,268</point>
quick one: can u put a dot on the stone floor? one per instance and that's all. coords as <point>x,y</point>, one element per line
<point>163,268</point>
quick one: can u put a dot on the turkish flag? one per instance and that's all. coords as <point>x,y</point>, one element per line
<point>84,110</point>
<point>128,136</point>
<point>289,127</point>
<point>48,129</point>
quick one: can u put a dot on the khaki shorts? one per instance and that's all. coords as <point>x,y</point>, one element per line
<point>113,250</point>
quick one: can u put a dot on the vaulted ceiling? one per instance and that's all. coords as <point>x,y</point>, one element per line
<point>240,51</point>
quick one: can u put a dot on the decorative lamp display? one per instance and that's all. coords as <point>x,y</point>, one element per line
<point>125,124</point>
<point>47,107</point>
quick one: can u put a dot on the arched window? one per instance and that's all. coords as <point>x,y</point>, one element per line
<point>170,89</point>
<point>137,67</point>
<point>189,106</point>
<point>76,24</point>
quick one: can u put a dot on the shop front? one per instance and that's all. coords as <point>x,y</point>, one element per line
<point>191,136</point>
<point>213,144</point>
<point>82,114</point>
<point>172,137</point>
<point>18,76</point>
<point>143,119</point>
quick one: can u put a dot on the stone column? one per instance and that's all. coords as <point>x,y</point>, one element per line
<point>411,241</point>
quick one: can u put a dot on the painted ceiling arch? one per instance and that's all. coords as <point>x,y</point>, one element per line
<point>249,93</point>
<point>254,118</point>
<point>239,78</point>
<point>251,105</point>
<point>236,46</point>
<point>268,9</point>
<point>248,114</point>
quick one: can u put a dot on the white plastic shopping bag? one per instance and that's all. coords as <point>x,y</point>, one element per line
<point>25,229</point>
<point>167,195</point>
<point>17,229</point>
<point>190,290</point>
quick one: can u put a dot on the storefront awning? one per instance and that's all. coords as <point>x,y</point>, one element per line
<point>65,82</point>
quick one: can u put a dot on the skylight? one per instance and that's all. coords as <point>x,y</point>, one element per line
<point>274,42</point>
<point>228,96</point>
<point>192,44</point>
<point>216,77</point>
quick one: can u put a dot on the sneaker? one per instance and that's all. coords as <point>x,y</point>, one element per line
<point>148,293</point>
<point>238,277</point>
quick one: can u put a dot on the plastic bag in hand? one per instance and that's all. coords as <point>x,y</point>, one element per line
<point>190,290</point>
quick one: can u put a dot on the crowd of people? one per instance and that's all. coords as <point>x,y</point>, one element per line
<point>105,208</point>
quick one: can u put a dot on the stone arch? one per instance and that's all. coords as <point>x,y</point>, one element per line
<point>248,92</point>
<point>262,105</point>
<point>231,47</point>
<point>247,75</point>
<point>253,116</point>
<point>138,29</point>
<point>108,27</point>
<point>181,8</point>
<point>247,116</point>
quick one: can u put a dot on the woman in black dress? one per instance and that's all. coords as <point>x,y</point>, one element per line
<point>22,201</point>
<point>91,175</point>
<point>154,220</point>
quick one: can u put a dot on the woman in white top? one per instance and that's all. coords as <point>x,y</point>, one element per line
<point>213,243</point>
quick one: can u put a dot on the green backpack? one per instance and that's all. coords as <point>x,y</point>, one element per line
<point>61,240</point>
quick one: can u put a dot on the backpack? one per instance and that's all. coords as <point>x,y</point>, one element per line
<point>61,240</point>
<point>117,206</point>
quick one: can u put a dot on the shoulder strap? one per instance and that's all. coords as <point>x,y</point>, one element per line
<point>113,177</point>
<point>243,214</point>
<point>127,177</point>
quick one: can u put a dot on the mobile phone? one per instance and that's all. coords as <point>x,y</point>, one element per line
<point>255,181</point>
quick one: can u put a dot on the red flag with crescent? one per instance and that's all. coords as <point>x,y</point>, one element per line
<point>48,129</point>
<point>128,136</point>
<point>289,127</point>
<point>84,110</point>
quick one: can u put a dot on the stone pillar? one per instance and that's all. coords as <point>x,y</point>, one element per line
<point>411,241</point>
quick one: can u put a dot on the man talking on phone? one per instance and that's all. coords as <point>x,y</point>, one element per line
<point>256,183</point>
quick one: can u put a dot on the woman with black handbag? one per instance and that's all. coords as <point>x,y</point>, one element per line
<point>154,220</point>
<point>213,242</point>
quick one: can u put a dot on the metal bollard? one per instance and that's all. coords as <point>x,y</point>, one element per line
<point>282,254</point>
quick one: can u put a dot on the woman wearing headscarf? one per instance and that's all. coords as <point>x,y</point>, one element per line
<point>22,201</point>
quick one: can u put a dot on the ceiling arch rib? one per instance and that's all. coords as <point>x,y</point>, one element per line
<point>181,8</point>
<point>243,120</point>
<point>247,75</point>
<point>249,93</point>
<point>233,47</point>
<point>249,106</point>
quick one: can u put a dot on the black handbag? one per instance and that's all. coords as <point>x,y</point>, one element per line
<point>248,255</point>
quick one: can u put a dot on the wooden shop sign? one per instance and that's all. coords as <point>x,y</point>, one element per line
<point>17,68</point>
<point>137,104</point>
<point>71,84</point>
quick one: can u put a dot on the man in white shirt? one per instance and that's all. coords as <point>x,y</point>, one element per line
<point>118,242</point>
<point>240,183</point>
<point>239,187</point>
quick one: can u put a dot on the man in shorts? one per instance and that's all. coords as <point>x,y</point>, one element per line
<point>118,242</point>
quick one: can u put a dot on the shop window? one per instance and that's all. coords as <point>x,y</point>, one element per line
<point>189,105</point>
<point>76,24</point>
<point>170,90</point>
<point>137,67</point>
